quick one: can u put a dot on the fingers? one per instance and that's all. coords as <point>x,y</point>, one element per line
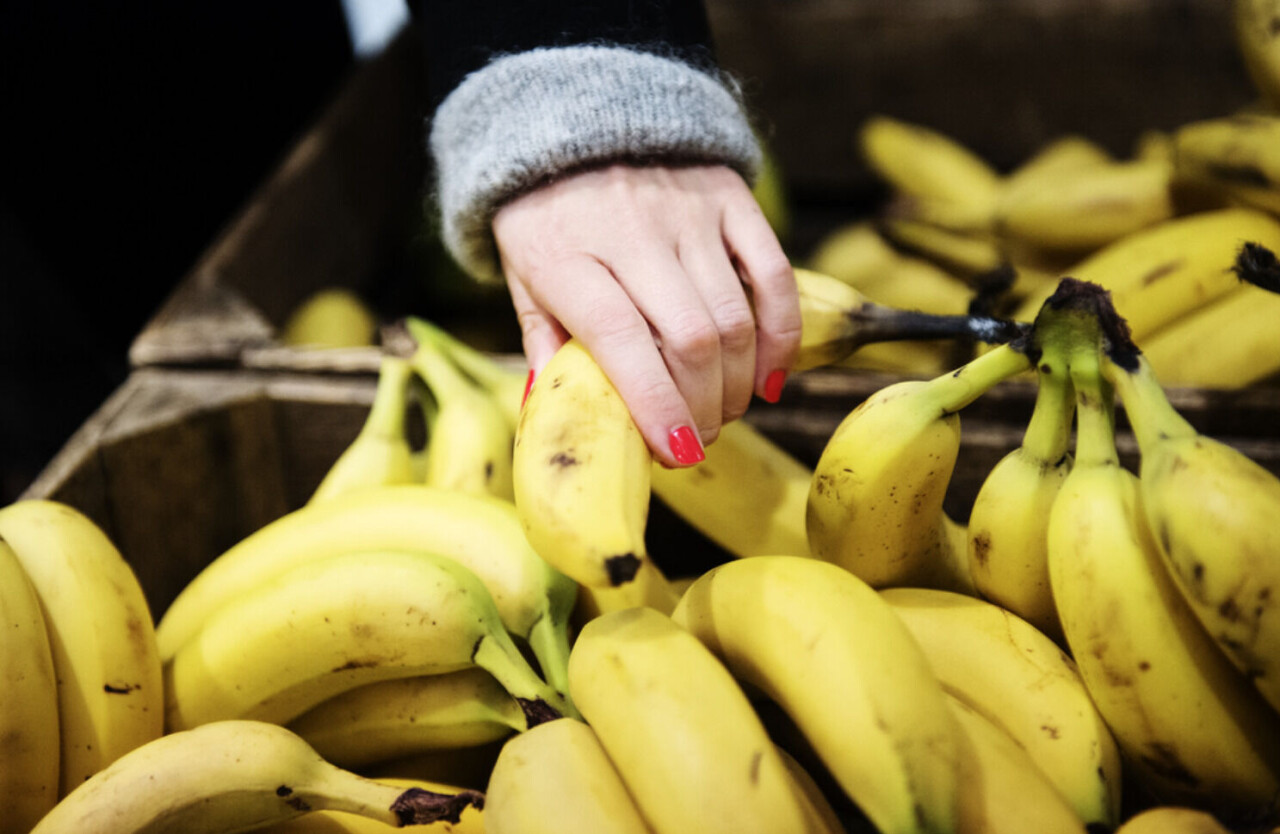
<point>765,268</point>
<point>542,335</point>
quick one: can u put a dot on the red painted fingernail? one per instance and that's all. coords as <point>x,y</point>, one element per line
<point>685,446</point>
<point>528,384</point>
<point>773,386</point>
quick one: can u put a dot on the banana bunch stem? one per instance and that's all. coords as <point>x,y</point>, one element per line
<point>873,322</point>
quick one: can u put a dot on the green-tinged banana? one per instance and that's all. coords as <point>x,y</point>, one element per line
<point>748,495</point>
<point>1002,790</point>
<point>1007,543</point>
<point>1213,513</point>
<point>471,820</point>
<point>505,385</point>
<point>1014,675</point>
<point>557,779</point>
<point>29,741</point>
<point>1238,155</point>
<point>875,504</point>
<point>1188,254</point>
<point>101,635</point>
<point>381,453</point>
<point>482,533</point>
<point>837,319</point>
<point>1192,729</point>
<point>1171,819</point>
<point>1258,37</point>
<point>681,732</point>
<point>328,626</point>
<point>469,439</point>
<point>855,253</point>
<point>582,473</point>
<point>926,165</point>
<point>835,657</point>
<point>233,776</point>
<point>404,716</point>
<point>1081,208</point>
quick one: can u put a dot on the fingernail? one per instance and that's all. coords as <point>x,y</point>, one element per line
<point>773,386</point>
<point>685,446</point>
<point>528,384</point>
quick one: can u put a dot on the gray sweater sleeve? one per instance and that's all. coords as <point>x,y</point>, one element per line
<point>525,119</point>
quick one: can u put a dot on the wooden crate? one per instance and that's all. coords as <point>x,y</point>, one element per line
<point>179,465</point>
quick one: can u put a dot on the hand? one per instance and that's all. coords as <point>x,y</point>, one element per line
<point>647,267</point>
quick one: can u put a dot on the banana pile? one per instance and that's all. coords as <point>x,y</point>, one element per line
<point>1159,228</point>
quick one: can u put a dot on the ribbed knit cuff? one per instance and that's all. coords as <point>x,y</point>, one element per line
<point>527,118</point>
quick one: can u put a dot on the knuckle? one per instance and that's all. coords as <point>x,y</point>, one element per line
<point>736,324</point>
<point>693,336</point>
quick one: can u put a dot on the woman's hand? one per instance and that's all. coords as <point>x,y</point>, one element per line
<point>647,267</point>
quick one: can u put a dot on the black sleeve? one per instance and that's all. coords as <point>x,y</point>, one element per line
<point>460,36</point>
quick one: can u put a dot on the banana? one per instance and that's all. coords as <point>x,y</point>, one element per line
<point>955,252</point>
<point>381,453</point>
<point>582,473</point>
<point>233,776</point>
<point>875,504</point>
<point>650,588</point>
<point>1171,819</point>
<point>1258,38</point>
<point>557,779</point>
<point>684,738</point>
<point>1237,155</point>
<point>482,533</point>
<point>1015,676</point>
<point>504,385</point>
<point>1002,791</point>
<point>471,820</point>
<point>1191,728</point>
<point>929,167</point>
<point>832,654</point>
<point>331,625</point>
<point>1007,545</point>
<point>748,495</point>
<point>1065,153</point>
<point>28,702</point>
<point>1181,258</point>
<point>855,253</point>
<point>1080,208</point>
<point>470,440</point>
<point>101,635</point>
<point>822,817</point>
<point>331,317</point>
<point>404,716</point>
<point>1212,512</point>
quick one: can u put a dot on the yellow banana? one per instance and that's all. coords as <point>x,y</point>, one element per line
<point>331,317</point>
<point>234,776</point>
<point>1192,729</point>
<point>505,385</point>
<point>875,504</point>
<point>682,734</point>
<point>855,253</point>
<point>1258,39</point>
<point>404,716</point>
<point>1171,819</point>
<point>381,453</point>
<point>582,473</point>
<point>1069,152</point>
<point>481,533</point>
<point>832,654</point>
<point>101,635</point>
<point>557,779</point>
<point>471,820</point>
<point>958,253</point>
<point>822,817</point>
<point>649,588</point>
<point>1004,668</point>
<point>29,741</point>
<point>1238,155</point>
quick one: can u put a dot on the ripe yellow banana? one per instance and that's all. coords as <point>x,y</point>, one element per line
<point>469,440</point>
<point>1002,791</point>
<point>1068,152</point>
<point>404,716</point>
<point>748,495</point>
<point>582,473</point>
<point>1213,513</point>
<point>682,734</point>
<point>1192,728</point>
<point>1007,543</point>
<point>958,253</point>
<point>1238,155</point>
<point>650,588</point>
<point>1258,38</point>
<point>875,505</point>
<point>557,779</point>
<point>822,817</point>
<point>101,635</point>
<point>331,625</point>
<point>380,454</point>
<point>855,253</point>
<point>29,741</point>
<point>1171,819</point>
<point>234,776</point>
<point>470,821</point>
<point>832,654</point>
<point>1004,668</point>
<point>482,533</point>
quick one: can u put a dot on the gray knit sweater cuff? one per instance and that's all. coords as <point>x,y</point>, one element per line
<point>526,118</point>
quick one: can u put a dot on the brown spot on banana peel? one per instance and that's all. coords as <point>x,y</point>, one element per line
<point>982,548</point>
<point>622,569</point>
<point>563,460</point>
<point>1164,761</point>
<point>417,806</point>
<point>121,689</point>
<point>753,770</point>
<point>1164,269</point>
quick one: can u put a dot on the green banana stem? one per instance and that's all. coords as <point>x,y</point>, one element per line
<point>498,655</point>
<point>955,390</point>
<point>387,414</point>
<point>1095,414</point>
<point>549,642</point>
<point>1048,435</point>
<point>477,365</point>
<point>443,378</point>
<point>1151,415</point>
